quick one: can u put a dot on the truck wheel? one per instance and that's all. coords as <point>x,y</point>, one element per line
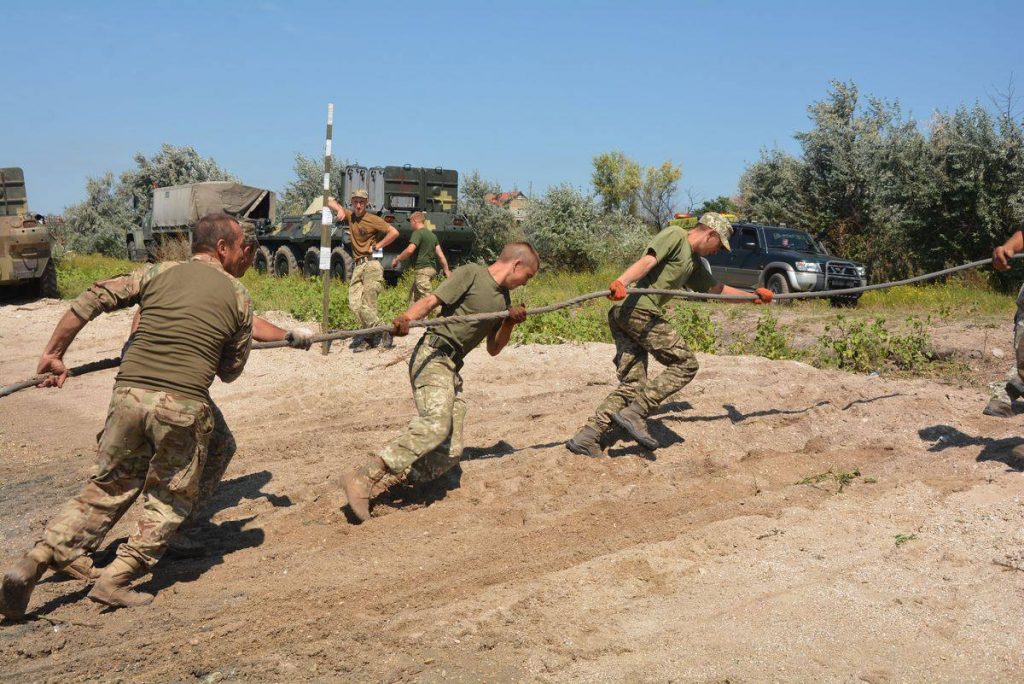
<point>262,261</point>
<point>311,262</point>
<point>46,286</point>
<point>284,262</point>
<point>778,284</point>
<point>341,264</point>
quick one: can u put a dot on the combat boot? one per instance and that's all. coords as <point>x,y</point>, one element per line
<point>82,568</point>
<point>359,483</point>
<point>183,545</point>
<point>21,579</point>
<point>359,343</point>
<point>386,341</point>
<point>998,408</point>
<point>111,589</point>
<point>631,419</point>
<point>586,442</point>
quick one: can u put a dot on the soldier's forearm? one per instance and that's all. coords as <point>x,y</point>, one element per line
<point>265,331</point>
<point>69,325</point>
<point>1016,242</point>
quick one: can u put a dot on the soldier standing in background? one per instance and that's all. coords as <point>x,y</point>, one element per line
<point>432,443</point>
<point>196,322</point>
<point>428,253</point>
<point>369,233</point>
<point>671,260</point>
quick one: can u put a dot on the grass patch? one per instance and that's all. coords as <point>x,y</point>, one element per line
<point>76,272</point>
<point>902,539</point>
<point>950,299</point>
<point>840,479</point>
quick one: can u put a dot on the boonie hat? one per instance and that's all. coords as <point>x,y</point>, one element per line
<point>720,225</point>
<point>360,194</point>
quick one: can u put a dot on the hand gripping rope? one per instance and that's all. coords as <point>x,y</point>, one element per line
<point>103,364</point>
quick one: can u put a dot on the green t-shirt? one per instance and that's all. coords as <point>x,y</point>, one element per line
<point>676,267</point>
<point>425,242</point>
<point>471,289</point>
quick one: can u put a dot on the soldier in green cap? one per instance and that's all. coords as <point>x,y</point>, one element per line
<point>671,261</point>
<point>432,444</point>
<point>370,234</point>
<point>196,323</point>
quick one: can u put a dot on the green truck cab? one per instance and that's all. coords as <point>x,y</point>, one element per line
<point>25,256</point>
<point>292,246</point>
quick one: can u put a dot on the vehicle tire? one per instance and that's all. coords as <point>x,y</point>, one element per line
<point>285,263</point>
<point>46,285</point>
<point>263,261</point>
<point>778,284</point>
<point>311,262</point>
<point>341,264</point>
<point>844,302</point>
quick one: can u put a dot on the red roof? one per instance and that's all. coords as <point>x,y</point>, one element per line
<point>501,199</point>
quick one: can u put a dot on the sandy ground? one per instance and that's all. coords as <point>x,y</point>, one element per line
<point>705,561</point>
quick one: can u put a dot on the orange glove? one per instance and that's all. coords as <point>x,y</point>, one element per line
<point>616,291</point>
<point>517,314</point>
<point>400,326</point>
<point>764,295</point>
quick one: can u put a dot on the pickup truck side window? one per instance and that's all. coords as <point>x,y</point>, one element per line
<point>745,238</point>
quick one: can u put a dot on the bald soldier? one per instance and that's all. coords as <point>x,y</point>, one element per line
<point>196,322</point>
<point>638,326</point>
<point>369,233</point>
<point>432,444</point>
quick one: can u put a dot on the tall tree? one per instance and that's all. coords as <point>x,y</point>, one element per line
<point>657,193</point>
<point>617,180</point>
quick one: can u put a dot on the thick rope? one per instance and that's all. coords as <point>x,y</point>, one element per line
<point>575,301</point>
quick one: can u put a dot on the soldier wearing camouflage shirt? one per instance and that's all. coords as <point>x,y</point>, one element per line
<point>639,329</point>
<point>432,444</point>
<point>196,322</point>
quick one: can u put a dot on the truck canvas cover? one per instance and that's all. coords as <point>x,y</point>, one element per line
<point>182,205</point>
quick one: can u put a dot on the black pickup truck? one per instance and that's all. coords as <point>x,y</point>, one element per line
<point>784,260</point>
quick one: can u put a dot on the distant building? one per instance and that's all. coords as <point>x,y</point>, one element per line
<point>515,201</point>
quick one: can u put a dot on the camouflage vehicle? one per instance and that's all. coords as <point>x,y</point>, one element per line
<point>293,245</point>
<point>177,208</point>
<point>24,239</point>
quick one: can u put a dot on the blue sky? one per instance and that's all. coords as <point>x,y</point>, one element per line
<point>527,92</point>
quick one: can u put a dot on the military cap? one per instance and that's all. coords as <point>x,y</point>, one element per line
<point>720,225</point>
<point>248,231</point>
<point>360,194</point>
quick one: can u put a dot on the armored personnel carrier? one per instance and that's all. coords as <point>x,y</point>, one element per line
<point>24,239</point>
<point>293,244</point>
<point>177,208</point>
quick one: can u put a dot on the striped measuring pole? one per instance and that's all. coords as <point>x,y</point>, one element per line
<point>326,223</point>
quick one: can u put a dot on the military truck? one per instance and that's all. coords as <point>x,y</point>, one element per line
<point>177,208</point>
<point>24,239</point>
<point>293,244</point>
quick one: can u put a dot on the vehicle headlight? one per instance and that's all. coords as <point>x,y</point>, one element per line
<point>808,266</point>
<point>861,271</point>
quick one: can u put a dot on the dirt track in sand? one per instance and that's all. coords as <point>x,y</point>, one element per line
<point>703,562</point>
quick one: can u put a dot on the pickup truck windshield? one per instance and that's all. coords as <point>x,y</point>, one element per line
<point>794,240</point>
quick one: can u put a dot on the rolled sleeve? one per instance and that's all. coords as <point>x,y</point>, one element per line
<point>452,289</point>
<point>111,294</point>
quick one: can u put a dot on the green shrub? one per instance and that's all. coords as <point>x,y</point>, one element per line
<point>863,346</point>
<point>693,322</point>
<point>769,341</point>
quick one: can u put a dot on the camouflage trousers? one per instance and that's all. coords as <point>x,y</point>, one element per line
<point>154,444</point>
<point>219,450</point>
<point>363,288</point>
<point>432,444</point>
<point>998,389</point>
<point>422,283</point>
<point>639,334</point>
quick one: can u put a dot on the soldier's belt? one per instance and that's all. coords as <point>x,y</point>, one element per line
<point>442,345</point>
